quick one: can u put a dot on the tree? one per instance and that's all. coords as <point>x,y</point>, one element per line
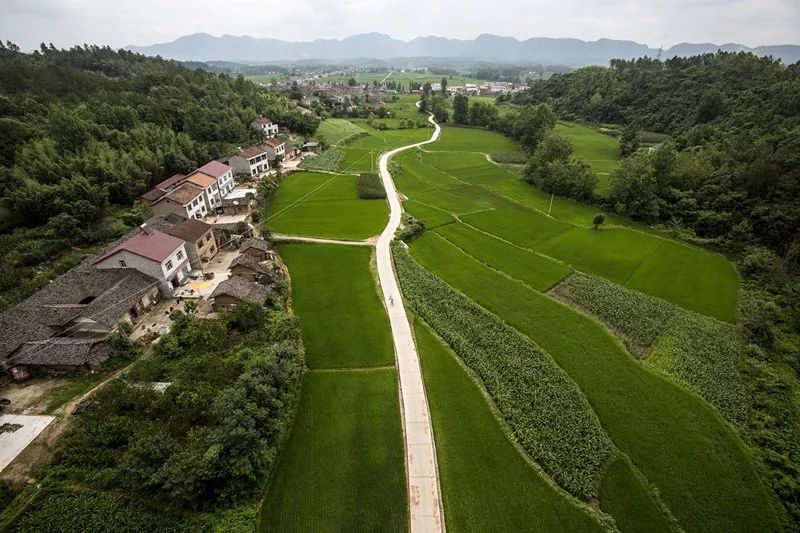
<point>460,109</point>
<point>439,109</point>
<point>553,169</point>
<point>531,125</point>
<point>629,140</point>
<point>598,219</point>
<point>444,87</point>
<point>633,188</point>
<point>352,82</point>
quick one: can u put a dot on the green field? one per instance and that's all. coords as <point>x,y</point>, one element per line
<point>473,140</point>
<point>319,204</point>
<point>666,431</point>
<point>342,468</point>
<point>486,483</point>
<point>362,154</point>
<point>341,316</point>
<point>336,130</point>
<point>600,151</point>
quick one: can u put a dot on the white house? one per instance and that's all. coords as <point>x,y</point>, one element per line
<point>223,177</point>
<point>276,149</point>
<point>269,128</point>
<point>187,200</point>
<point>151,252</point>
<point>253,161</point>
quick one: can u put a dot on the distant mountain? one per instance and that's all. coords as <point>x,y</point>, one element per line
<point>571,52</point>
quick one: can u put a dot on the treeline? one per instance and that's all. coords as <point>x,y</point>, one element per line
<point>84,131</point>
<point>731,171</point>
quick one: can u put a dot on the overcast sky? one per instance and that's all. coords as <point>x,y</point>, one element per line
<point>653,22</point>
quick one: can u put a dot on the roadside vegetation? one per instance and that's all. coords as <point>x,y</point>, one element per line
<point>370,187</point>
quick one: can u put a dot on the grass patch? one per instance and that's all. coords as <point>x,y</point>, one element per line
<point>473,140</point>
<point>337,131</point>
<point>362,154</point>
<point>343,322</point>
<point>370,187</point>
<point>433,216</point>
<point>324,205</point>
<point>695,350</point>
<point>680,443</point>
<point>546,413</point>
<point>487,484</point>
<point>343,466</point>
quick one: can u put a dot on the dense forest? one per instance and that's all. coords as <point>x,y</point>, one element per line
<point>731,170</point>
<point>84,131</point>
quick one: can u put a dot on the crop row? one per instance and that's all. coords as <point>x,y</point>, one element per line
<point>328,160</point>
<point>370,187</point>
<point>546,413</point>
<point>695,350</point>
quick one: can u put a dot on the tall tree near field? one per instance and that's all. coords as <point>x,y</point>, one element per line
<point>460,109</point>
<point>444,87</point>
<point>532,124</point>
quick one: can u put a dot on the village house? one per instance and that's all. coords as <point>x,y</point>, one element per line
<point>311,147</point>
<point>253,161</point>
<point>267,127</point>
<point>64,325</point>
<point>201,246</point>
<point>156,254</point>
<point>187,200</point>
<point>223,174</point>
<point>209,186</point>
<point>276,150</point>
<point>251,269</point>
<point>239,201</point>
<point>258,249</point>
<point>235,290</point>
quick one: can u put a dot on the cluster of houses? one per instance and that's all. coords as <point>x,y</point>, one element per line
<point>67,324</point>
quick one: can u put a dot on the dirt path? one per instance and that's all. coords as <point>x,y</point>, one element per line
<point>424,497</point>
<point>281,237</point>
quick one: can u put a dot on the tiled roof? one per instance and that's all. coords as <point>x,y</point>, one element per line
<point>171,181</point>
<point>201,179</point>
<point>248,262</point>
<point>63,351</point>
<point>185,193</point>
<point>152,195</point>
<point>190,230</point>
<point>273,143</point>
<point>148,243</point>
<point>242,289</point>
<point>214,169</point>
<point>258,244</point>
<point>251,151</point>
<point>263,120</point>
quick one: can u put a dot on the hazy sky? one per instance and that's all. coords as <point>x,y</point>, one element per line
<point>653,22</point>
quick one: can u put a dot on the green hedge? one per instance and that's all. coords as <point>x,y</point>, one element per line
<point>509,158</point>
<point>696,351</point>
<point>370,187</point>
<point>545,411</point>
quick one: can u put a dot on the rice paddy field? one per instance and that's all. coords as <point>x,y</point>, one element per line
<point>362,153</point>
<point>320,204</point>
<point>343,466</point>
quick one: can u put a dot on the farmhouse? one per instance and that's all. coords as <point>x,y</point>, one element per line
<point>258,249</point>
<point>222,173</point>
<point>235,290</point>
<point>265,125</point>
<point>249,268</point>
<point>239,201</point>
<point>209,186</point>
<point>276,150</point>
<point>201,245</point>
<point>158,255</point>
<point>253,161</point>
<point>187,200</point>
<point>64,324</point>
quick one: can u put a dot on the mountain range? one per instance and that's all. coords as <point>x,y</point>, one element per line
<point>545,50</point>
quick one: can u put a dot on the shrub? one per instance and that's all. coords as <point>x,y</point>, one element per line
<point>412,231</point>
<point>509,158</point>
<point>370,187</point>
<point>545,411</point>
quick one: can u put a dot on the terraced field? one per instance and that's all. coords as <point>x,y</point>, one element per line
<point>342,468</point>
<point>600,151</point>
<point>362,153</point>
<point>318,204</point>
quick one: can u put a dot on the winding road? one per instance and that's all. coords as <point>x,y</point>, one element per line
<point>424,497</point>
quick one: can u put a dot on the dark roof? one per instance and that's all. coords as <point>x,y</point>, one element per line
<point>241,289</point>
<point>214,169</point>
<point>259,244</point>
<point>273,143</point>
<point>185,193</point>
<point>148,243</point>
<point>171,182</point>
<point>263,120</point>
<point>63,351</point>
<point>249,262</point>
<point>190,230</point>
<point>251,151</point>
<point>152,195</point>
<point>103,295</point>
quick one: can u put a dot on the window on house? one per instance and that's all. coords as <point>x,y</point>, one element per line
<point>179,255</point>
<point>168,266</point>
<point>208,237</point>
<point>123,264</point>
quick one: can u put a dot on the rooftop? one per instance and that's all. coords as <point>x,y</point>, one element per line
<point>214,169</point>
<point>251,151</point>
<point>242,289</point>
<point>170,181</point>
<point>185,193</point>
<point>259,244</point>
<point>147,243</point>
<point>190,230</point>
<point>252,264</point>
<point>153,195</point>
<point>201,179</point>
<point>273,143</point>
<point>263,120</point>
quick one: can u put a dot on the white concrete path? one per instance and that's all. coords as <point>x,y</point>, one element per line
<point>12,443</point>
<point>424,497</point>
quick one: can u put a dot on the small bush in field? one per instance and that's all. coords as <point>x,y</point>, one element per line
<point>370,187</point>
